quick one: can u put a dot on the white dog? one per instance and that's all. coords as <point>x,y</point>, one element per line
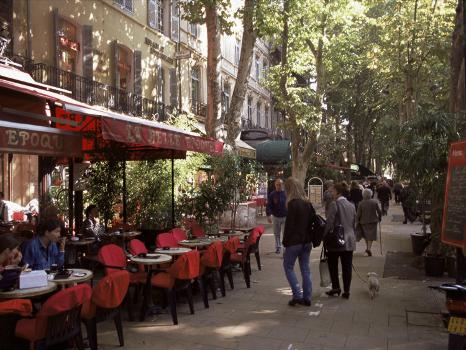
<point>373,283</point>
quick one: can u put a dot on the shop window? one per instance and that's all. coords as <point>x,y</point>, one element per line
<point>68,45</point>
<point>125,4</point>
<point>155,14</point>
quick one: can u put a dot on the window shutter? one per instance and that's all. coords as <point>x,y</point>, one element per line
<point>115,57</point>
<point>137,72</point>
<point>151,13</point>
<point>160,85</point>
<point>173,89</point>
<point>87,51</point>
<point>175,20</point>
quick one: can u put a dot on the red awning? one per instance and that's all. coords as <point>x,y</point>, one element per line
<point>39,140</point>
<point>102,128</point>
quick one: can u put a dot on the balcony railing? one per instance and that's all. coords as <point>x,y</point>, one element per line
<point>95,93</point>
<point>198,108</point>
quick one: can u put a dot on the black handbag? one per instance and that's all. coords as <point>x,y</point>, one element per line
<point>317,229</point>
<point>335,238</point>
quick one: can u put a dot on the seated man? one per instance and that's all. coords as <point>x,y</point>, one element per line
<point>47,247</point>
<point>91,226</point>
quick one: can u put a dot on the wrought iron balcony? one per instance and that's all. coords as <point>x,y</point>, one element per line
<point>95,93</point>
<point>198,108</point>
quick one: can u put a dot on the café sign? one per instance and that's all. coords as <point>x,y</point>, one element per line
<point>30,139</point>
<point>157,137</point>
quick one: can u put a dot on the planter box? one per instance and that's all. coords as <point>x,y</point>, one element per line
<point>419,242</point>
<point>434,265</point>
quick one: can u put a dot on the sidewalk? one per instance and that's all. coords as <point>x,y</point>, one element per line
<point>404,316</point>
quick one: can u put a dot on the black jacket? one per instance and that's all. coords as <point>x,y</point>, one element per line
<point>298,223</point>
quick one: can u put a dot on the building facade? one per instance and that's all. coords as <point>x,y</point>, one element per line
<point>137,57</point>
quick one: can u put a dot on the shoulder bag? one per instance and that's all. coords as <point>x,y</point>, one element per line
<point>335,238</point>
<point>323,270</point>
<point>318,224</point>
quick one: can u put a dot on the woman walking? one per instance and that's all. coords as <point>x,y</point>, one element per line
<point>297,241</point>
<point>355,194</point>
<point>341,212</point>
<point>367,218</point>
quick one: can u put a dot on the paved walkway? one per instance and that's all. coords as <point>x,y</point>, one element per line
<point>404,316</point>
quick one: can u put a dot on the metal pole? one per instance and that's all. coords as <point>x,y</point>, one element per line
<point>173,190</point>
<point>70,193</point>
<point>125,217</point>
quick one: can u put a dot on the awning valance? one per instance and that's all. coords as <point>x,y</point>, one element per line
<point>132,133</point>
<point>39,140</point>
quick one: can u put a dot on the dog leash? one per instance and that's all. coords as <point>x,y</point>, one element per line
<point>359,276</point>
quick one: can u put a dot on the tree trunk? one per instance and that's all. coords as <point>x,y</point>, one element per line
<point>233,116</point>
<point>213,70</point>
<point>456,59</point>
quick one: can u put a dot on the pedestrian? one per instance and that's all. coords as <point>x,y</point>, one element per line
<point>384,194</point>
<point>347,218</point>
<point>346,191</point>
<point>367,218</point>
<point>297,240</point>
<point>355,194</point>
<point>327,198</point>
<point>397,187</point>
<point>276,212</point>
<point>408,203</point>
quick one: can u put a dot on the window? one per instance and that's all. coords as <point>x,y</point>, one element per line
<point>266,116</point>
<point>194,29</point>
<point>68,45</point>
<point>155,14</point>
<point>257,64</point>
<point>125,4</point>
<point>237,51</point>
<point>195,87</point>
<point>249,109</point>
<point>259,114</point>
<point>226,98</point>
<point>265,68</point>
<point>175,22</point>
<point>124,68</point>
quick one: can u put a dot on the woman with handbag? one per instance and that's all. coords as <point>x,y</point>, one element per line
<point>340,240</point>
<point>368,216</point>
<point>297,240</point>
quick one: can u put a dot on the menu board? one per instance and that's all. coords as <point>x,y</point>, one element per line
<point>454,212</point>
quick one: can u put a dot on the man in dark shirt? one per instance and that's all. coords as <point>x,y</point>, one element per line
<point>384,194</point>
<point>276,212</point>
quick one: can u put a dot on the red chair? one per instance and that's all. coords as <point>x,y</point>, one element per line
<point>242,256</point>
<point>254,239</point>
<point>114,259</point>
<point>11,311</point>
<point>230,247</point>
<point>179,234</point>
<point>196,230</point>
<point>105,303</point>
<point>166,240</point>
<point>58,321</point>
<point>211,262</point>
<point>18,216</point>
<point>179,277</point>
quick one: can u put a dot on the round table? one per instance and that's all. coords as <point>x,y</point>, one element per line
<point>232,234</point>
<point>196,243</point>
<point>152,259</point>
<point>221,238</point>
<point>73,279</point>
<point>149,260</point>
<point>29,292</point>
<point>173,251</point>
<point>81,242</point>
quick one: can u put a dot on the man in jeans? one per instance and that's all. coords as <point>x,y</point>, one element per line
<point>276,207</point>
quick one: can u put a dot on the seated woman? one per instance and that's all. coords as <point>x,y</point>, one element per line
<point>91,226</point>
<point>47,247</point>
<point>9,250</point>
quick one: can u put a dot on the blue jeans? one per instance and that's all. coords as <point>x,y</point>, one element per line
<point>278,226</point>
<point>302,252</point>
